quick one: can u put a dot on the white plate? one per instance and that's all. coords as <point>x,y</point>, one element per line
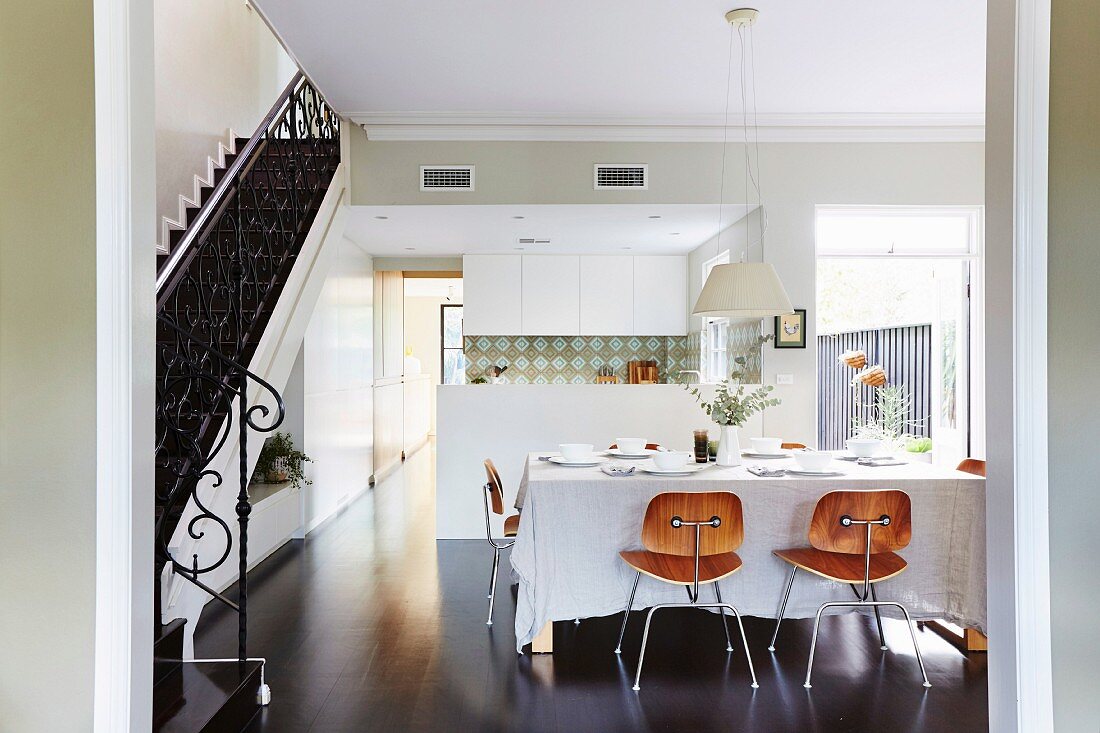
<point>619,454</point>
<point>681,471</point>
<point>766,456</point>
<point>800,472</point>
<point>849,457</point>
<point>593,461</point>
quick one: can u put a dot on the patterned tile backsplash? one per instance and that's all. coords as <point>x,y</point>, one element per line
<point>577,359</point>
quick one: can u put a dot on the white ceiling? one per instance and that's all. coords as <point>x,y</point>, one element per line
<point>422,231</point>
<point>844,62</point>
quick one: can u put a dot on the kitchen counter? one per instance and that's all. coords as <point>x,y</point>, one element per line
<point>505,422</point>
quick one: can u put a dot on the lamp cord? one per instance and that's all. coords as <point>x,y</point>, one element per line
<point>725,131</point>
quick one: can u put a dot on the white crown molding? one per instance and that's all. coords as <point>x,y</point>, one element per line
<point>213,162</point>
<point>506,126</point>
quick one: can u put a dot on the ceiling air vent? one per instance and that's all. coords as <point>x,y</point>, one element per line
<point>622,175</point>
<point>446,178</point>
<point>532,240</point>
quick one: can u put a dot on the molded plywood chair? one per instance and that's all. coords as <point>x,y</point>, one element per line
<point>792,446</point>
<point>648,446</point>
<point>853,538</point>
<point>689,540</point>
<point>493,494</point>
<point>975,466</point>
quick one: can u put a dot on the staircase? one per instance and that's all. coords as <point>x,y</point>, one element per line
<point>216,290</point>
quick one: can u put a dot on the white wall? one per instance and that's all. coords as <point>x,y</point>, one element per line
<point>339,372</point>
<point>1074,346</point>
<point>796,178</point>
<point>505,422</point>
<point>48,439</point>
<point>217,67</point>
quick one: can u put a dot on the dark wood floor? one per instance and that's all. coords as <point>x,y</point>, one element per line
<point>372,625</point>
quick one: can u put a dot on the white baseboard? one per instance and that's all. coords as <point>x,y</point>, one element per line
<point>213,163</point>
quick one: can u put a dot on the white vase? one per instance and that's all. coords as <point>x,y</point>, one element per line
<point>729,447</point>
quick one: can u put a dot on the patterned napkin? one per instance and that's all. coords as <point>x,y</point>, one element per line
<point>765,472</point>
<point>614,470</point>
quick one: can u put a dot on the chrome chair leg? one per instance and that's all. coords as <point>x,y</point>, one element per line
<point>916,646</point>
<point>813,645</point>
<point>641,654</point>
<point>875,604</point>
<point>649,619</point>
<point>493,586</point>
<point>745,641</point>
<point>878,620</point>
<point>626,614</point>
<point>722,613</point>
<point>782,607</point>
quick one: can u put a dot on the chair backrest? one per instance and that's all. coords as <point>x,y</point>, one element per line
<point>494,487</point>
<point>658,534</point>
<point>827,533</point>
<point>648,446</point>
<point>792,446</point>
<point>975,466</point>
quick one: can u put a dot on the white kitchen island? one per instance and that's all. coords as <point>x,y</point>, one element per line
<point>505,422</point>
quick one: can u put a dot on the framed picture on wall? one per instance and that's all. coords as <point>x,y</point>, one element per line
<point>790,330</point>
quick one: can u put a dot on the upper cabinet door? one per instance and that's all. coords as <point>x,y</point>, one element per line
<point>492,295</point>
<point>607,295</point>
<point>660,296</point>
<point>551,295</point>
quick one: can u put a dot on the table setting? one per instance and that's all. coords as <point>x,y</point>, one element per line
<point>581,506</point>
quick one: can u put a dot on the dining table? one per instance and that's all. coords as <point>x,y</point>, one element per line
<point>574,521</point>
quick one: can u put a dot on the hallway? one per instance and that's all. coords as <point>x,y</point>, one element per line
<point>372,625</point>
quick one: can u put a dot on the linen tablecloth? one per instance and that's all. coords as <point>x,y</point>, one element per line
<point>574,522</point>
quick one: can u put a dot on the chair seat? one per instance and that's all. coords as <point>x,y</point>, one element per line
<point>680,569</point>
<point>511,526</point>
<point>842,567</point>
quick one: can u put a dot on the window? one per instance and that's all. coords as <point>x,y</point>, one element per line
<point>714,343</point>
<point>907,231</point>
<point>454,361</point>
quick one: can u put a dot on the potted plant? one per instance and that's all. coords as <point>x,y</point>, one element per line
<point>732,407</point>
<point>281,462</point>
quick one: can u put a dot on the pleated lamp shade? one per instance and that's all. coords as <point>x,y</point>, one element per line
<point>743,290</point>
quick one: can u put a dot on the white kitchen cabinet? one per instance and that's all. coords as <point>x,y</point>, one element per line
<point>607,295</point>
<point>492,295</point>
<point>551,295</point>
<point>660,296</point>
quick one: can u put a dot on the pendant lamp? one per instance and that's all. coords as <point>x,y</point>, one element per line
<point>742,290</point>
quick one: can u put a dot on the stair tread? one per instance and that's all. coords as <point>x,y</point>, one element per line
<point>193,696</point>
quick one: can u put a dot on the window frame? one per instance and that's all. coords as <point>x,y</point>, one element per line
<point>973,215</point>
<point>443,348</point>
<point>706,350</point>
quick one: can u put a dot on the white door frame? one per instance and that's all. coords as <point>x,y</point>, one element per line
<point>1017,530</point>
<point>125,344</point>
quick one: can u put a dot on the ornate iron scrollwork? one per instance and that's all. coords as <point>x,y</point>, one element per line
<point>213,302</point>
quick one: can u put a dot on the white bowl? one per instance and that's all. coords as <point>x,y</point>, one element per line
<point>631,445</point>
<point>670,460</point>
<point>864,447</point>
<point>576,452</point>
<point>766,446</point>
<point>812,460</point>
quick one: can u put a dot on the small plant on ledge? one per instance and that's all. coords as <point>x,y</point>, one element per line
<point>732,406</point>
<point>281,462</point>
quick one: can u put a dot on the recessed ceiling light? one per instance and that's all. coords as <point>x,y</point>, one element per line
<point>654,217</point>
<point>381,217</point>
<point>519,217</point>
<point>674,234</point>
<point>410,249</point>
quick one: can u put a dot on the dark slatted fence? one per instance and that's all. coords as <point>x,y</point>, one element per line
<point>904,352</point>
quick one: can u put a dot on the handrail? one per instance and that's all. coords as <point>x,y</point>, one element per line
<point>215,199</point>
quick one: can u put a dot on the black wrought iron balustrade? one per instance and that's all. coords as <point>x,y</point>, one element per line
<point>215,295</point>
